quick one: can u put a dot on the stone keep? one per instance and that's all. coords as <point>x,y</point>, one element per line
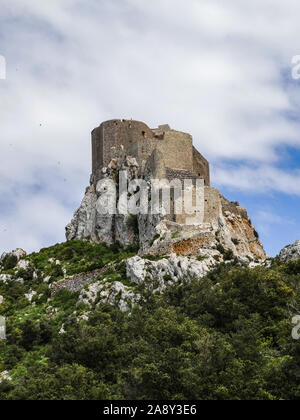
<point>174,152</point>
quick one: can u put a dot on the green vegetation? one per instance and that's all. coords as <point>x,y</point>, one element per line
<point>132,223</point>
<point>225,336</point>
<point>154,239</point>
<point>9,262</point>
<point>228,254</point>
<point>175,234</point>
<point>77,257</point>
<point>151,257</point>
<point>256,234</point>
<point>201,257</point>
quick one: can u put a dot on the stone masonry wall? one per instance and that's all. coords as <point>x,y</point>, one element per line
<point>139,141</point>
<point>201,167</point>
<point>177,149</point>
<point>113,134</point>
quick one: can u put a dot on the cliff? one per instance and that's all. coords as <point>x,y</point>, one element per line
<point>225,230</point>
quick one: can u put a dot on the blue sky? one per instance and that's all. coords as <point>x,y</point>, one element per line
<point>219,70</point>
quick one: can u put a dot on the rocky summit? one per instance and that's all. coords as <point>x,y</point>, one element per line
<point>163,154</point>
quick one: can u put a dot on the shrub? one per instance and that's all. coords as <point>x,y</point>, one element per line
<point>132,223</point>
<point>153,239</point>
<point>9,262</point>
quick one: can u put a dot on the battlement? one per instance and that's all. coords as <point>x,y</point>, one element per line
<point>174,148</point>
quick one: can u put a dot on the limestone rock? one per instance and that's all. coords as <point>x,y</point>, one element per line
<point>290,252</point>
<point>115,294</point>
<point>90,222</point>
<point>4,376</point>
<point>23,264</point>
<point>30,295</point>
<point>166,271</point>
<point>19,253</point>
<point>83,222</point>
<point>5,278</point>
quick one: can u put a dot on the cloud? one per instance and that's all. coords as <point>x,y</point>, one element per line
<point>259,179</point>
<point>219,70</point>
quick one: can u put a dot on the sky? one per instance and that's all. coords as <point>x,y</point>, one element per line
<point>221,71</point>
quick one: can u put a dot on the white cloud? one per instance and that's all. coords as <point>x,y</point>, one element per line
<point>260,179</point>
<point>212,68</point>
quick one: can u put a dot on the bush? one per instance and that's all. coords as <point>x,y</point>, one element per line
<point>9,262</point>
<point>132,223</point>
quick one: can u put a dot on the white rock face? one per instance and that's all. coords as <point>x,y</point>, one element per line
<point>115,294</point>
<point>90,222</point>
<point>167,270</point>
<point>155,275</point>
<point>19,253</point>
<point>62,330</point>
<point>83,222</point>
<point>24,264</point>
<point>30,295</point>
<point>1,299</point>
<point>5,278</point>
<point>4,376</point>
<point>47,279</point>
<point>290,252</point>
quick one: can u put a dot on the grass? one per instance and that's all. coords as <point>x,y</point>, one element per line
<point>175,234</point>
<point>154,239</point>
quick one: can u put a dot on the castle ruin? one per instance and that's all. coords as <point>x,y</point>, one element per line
<point>169,153</point>
<point>163,154</point>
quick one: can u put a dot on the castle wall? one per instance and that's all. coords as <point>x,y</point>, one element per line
<point>201,167</point>
<point>180,174</point>
<point>97,150</point>
<point>177,149</point>
<point>115,133</point>
<point>142,150</point>
<point>212,207</point>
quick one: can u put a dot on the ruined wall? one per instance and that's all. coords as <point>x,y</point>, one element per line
<point>201,167</point>
<point>115,133</point>
<point>180,174</point>
<point>177,149</point>
<point>142,150</point>
<point>212,204</point>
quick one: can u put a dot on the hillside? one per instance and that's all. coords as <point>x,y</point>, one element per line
<point>80,325</point>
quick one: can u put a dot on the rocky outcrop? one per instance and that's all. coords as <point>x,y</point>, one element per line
<point>18,253</point>
<point>157,275</point>
<point>89,222</point>
<point>225,226</point>
<point>6,278</point>
<point>115,294</point>
<point>290,252</point>
<point>5,376</point>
